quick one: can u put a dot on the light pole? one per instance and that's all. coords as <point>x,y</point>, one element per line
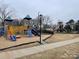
<point>40,18</point>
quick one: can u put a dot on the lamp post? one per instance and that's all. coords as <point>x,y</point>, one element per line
<point>40,19</point>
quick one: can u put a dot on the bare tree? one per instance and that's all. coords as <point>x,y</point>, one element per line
<point>46,20</point>
<point>5,11</point>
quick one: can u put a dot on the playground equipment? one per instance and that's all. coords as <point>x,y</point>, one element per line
<point>1,31</point>
<point>15,29</point>
<point>12,30</point>
<point>35,32</point>
<point>10,33</point>
<point>29,33</point>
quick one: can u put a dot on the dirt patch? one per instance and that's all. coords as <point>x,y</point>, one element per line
<point>54,38</point>
<point>61,37</point>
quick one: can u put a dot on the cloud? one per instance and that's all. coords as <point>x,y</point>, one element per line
<point>60,9</point>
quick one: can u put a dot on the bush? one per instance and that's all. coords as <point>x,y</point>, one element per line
<point>47,31</point>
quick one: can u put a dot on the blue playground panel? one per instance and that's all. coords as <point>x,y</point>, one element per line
<point>29,33</point>
<point>1,31</point>
<point>13,37</point>
<point>35,32</point>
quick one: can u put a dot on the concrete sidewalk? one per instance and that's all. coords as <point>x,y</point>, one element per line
<point>33,50</point>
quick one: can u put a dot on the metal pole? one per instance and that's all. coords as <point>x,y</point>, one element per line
<point>40,31</point>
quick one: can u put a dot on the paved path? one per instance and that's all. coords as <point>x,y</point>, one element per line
<point>33,50</point>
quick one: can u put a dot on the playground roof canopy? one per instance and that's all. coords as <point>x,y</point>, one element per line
<point>9,20</point>
<point>28,17</point>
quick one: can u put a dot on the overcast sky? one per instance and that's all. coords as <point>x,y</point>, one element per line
<point>56,9</point>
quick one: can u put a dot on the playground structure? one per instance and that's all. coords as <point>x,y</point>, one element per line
<point>16,29</point>
<point>11,30</point>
